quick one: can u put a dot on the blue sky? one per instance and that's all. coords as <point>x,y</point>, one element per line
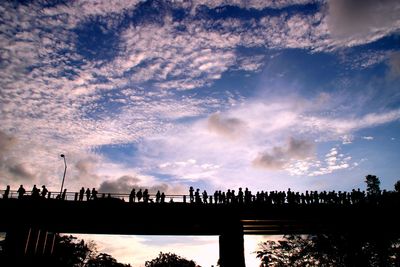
<point>212,94</point>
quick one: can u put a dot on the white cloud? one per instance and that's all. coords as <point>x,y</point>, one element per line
<point>369,138</point>
<point>334,161</point>
<point>278,137</point>
<point>344,126</point>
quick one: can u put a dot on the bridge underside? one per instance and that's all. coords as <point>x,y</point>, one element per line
<point>229,222</point>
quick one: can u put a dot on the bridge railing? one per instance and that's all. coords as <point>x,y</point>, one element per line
<point>353,198</point>
<point>74,196</point>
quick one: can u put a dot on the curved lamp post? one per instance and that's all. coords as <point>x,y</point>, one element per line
<point>65,170</point>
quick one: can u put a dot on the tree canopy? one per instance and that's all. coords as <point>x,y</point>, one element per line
<point>373,184</point>
<point>397,186</point>
<point>335,249</point>
<point>71,252</point>
<point>339,250</point>
<point>170,260</point>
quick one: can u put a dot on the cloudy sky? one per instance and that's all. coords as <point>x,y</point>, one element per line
<point>215,94</point>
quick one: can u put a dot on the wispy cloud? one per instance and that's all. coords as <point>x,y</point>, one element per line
<point>369,138</point>
<point>56,98</point>
<point>278,137</point>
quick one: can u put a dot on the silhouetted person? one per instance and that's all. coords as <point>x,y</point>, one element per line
<point>191,196</point>
<point>35,192</point>
<point>21,191</point>
<point>63,195</point>
<point>205,196</point>
<point>158,196</point>
<point>6,192</point>
<point>222,197</point>
<point>81,193</point>
<point>240,195</point>
<point>146,196</point>
<point>44,191</point>
<point>216,198</point>
<point>94,194</point>
<point>87,194</point>
<point>132,195</point>
<point>228,196</point>
<point>139,195</point>
<point>162,197</point>
<point>197,196</point>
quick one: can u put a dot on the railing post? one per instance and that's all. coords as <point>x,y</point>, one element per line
<point>184,198</point>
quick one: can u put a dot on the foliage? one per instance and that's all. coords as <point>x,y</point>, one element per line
<point>70,252</point>
<point>373,184</point>
<point>330,250</point>
<point>397,186</point>
<point>170,260</point>
<point>104,260</point>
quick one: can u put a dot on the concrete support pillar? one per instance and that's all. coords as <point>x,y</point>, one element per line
<point>27,246</point>
<point>231,247</point>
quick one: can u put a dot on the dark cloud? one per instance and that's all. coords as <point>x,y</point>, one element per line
<point>300,149</point>
<point>279,157</point>
<point>394,65</point>
<point>358,17</point>
<point>86,171</point>
<point>10,166</point>
<point>6,142</point>
<point>22,171</point>
<point>229,127</point>
<point>125,183</point>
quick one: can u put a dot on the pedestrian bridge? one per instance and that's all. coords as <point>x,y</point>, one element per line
<point>30,222</point>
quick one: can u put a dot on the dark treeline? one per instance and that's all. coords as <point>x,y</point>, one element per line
<point>376,248</point>
<point>70,251</point>
<point>333,249</point>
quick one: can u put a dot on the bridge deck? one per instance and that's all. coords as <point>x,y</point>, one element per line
<point>116,217</point>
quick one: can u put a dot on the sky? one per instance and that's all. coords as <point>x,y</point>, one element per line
<point>214,94</point>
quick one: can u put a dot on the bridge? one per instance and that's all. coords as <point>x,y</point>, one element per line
<point>30,223</point>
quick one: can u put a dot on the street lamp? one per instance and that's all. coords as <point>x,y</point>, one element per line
<point>65,170</point>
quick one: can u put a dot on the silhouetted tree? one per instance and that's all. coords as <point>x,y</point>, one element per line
<point>170,260</point>
<point>373,184</point>
<point>397,186</point>
<point>105,260</point>
<point>71,252</point>
<point>330,250</point>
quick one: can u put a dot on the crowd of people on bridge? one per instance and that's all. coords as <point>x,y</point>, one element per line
<point>283,197</point>
<point>221,197</point>
<point>145,196</point>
